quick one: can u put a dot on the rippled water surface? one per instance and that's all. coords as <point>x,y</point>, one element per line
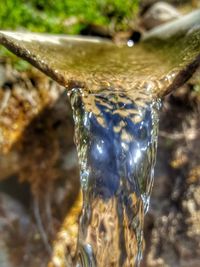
<point>116,137</point>
<point>77,62</point>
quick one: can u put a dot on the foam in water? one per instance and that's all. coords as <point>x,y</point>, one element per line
<point>116,137</point>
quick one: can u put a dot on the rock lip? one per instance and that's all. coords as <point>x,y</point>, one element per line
<point>159,13</point>
<point>179,26</point>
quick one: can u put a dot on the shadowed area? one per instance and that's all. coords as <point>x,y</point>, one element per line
<point>39,179</point>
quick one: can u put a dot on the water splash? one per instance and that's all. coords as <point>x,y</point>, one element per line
<point>116,137</point>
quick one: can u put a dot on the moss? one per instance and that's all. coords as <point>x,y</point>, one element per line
<point>67,16</point>
<point>50,16</point>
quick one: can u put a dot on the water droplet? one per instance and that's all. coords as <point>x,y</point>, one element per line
<point>130,43</point>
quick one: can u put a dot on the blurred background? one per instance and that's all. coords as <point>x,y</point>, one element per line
<point>39,176</point>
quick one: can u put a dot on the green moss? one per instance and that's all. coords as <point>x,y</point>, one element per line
<point>52,16</point>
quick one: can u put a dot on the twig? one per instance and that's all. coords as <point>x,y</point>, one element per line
<point>40,225</point>
<point>5,100</point>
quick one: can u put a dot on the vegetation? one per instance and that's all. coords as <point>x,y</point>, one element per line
<point>67,16</point>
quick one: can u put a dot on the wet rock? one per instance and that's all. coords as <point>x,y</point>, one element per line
<point>158,14</point>
<point>187,25</point>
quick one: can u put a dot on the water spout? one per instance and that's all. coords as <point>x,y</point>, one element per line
<point>116,138</point>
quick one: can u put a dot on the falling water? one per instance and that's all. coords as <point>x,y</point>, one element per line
<point>116,137</point>
<point>116,128</point>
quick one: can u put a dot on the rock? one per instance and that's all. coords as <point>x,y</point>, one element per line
<point>157,14</point>
<point>185,25</point>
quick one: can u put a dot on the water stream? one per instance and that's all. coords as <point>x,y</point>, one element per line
<point>116,137</point>
<point>114,93</point>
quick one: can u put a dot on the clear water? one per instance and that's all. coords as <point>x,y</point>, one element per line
<point>116,137</point>
<point>116,129</point>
